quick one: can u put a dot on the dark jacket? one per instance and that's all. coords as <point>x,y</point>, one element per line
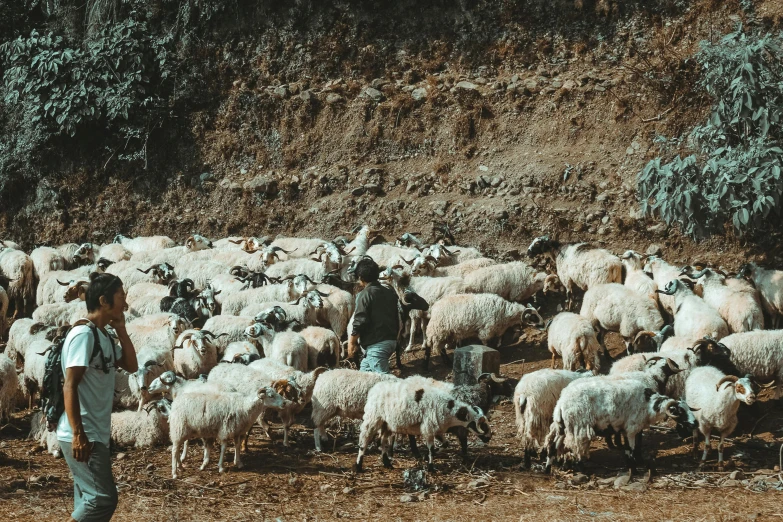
<point>375,319</point>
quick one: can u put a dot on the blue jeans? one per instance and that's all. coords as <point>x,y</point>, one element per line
<point>377,357</point>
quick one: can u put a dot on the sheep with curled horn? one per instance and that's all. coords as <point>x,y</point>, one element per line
<point>162,273</point>
<point>738,305</point>
<point>194,353</point>
<point>408,239</point>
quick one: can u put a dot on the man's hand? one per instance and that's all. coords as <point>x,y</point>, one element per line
<point>118,325</point>
<point>353,346</point>
<point>82,448</point>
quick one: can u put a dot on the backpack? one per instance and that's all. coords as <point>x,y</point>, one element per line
<point>52,398</point>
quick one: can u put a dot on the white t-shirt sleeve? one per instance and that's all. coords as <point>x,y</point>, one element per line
<point>79,350</point>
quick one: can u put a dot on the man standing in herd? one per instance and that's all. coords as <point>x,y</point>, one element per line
<point>89,359</point>
<point>375,321</point>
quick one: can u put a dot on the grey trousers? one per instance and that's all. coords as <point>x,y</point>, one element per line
<point>377,357</point>
<point>94,492</point>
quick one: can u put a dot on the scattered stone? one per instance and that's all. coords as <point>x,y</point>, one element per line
<point>35,479</point>
<point>561,485</point>
<point>729,483</point>
<point>622,481</point>
<point>654,250</point>
<point>373,188</point>
<point>419,94</point>
<point>630,150</point>
<point>411,186</point>
<point>333,98</point>
<point>348,490</point>
<point>261,185</point>
<point>605,220</point>
<point>235,187</point>
<point>602,197</point>
<point>408,498</point>
<point>483,168</point>
<point>326,487</point>
<point>606,481</point>
<point>478,483</point>
<point>660,228</point>
<point>306,96</point>
<point>472,361</point>
<point>466,85</point>
<point>281,91</point>
<point>602,231</point>
<point>579,479</point>
<point>636,487</point>
<point>207,176</point>
<point>500,214</point>
<point>358,191</point>
<point>496,181</point>
<point>374,94</point>
<point>702,482</point>
<point>569,85</point>
<point>121,456</point>
<point>737,475</point>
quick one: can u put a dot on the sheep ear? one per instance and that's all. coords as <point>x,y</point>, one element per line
<point>648,393</point>
<point>462,413</point>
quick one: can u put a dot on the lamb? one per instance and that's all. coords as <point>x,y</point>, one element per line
<point>770,286</point>
<point>414,407</point>
<point>216,416</point>
<point>579,265</point>
<point>323,347</point>
<point>636,278</point>
<point>18,268</point>
<point>573,338</point>
<point>331,256</point>
<point>249,244</point>
<point>715,397</point>
<point>85,254</point>
<point>194,353</point>
<point>341,392</point>
<point>144,244</point>
<point>46,439</point>
<point>408,240</point>
<point>738,305</point>
<point>616,308</point>
<point>47,259</point>
<point>516,281</point>
<point>486,316</point>
<point>662,272</point>
<point>292,383</point>
<point>240,351</point>
<point>758,353</point>
<point>693,318</point>
<point>9,386</point>
<point>535,398</point>
<point>141,429</point>
<point>287,348</point>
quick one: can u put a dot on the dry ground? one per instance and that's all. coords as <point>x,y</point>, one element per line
<point>296,484</point>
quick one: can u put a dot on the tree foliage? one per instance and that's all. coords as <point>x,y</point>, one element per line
<point>734,172</point>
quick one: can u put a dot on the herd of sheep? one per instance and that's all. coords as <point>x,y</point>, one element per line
<point>247,330</point>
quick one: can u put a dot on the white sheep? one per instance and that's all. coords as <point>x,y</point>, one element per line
<point>770,286</point>
<point>114,252</point>
<point>132,273</point>
<point>616,308</point>
<point>535,398</point>
<point>153,361</point>
<point>58,314</point>
<point>45,438</point>
<point>304,310</point>
<point>4,303</point>
<point>323,347</point>
<point>758,353</point>
<point>738,305</point>
<point>636,278</point>
<point>715,397</point>
<point>141,429</point>
<point>428,266</point>
<point>312,269</point>
<point>216,416</point>
<point>341,393</point>
<point>299,246</point>
<point>54,285</point>
<point>9,387</point>
<point>417,407</point>
<point>20,337</point>
<point>516,281</point>
<point>47,259</point>
<point>579,265</point>
<point>486,316</point>
<point>240,351</point>
<point>226,329</point>
<point>693,318</point>
<point>338,305</point>
<point>287,348</point>
<point>19,269</point>
<point>573,338</point>
<point>662,272</point>
<point>235,303</point>
<point>144,244</point>
<point>194,354</point>
<point>144,298</point>
<point>389,254</point>
<point>34,368</point>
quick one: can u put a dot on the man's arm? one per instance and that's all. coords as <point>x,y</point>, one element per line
<point>128,361</point>
<point>80,444</point>
<point>360,318</point>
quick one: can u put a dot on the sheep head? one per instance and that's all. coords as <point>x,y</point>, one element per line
<point>743,387</point>
<point>531,316</point>
<point>552,284</point>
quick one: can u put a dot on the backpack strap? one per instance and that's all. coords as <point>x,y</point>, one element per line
<point>96,347</point>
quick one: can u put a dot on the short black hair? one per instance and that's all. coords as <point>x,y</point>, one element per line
<point>105,285</point>
<point>367,270</point>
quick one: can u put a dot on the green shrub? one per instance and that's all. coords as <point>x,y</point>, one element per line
<point>734,173</point>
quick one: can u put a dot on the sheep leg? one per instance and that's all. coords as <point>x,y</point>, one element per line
<point>368,431</point>
<point>528,459</point>
<point>706,445</point>
<point>175,464</point>
<point>553,361</point>
<point>414,448</point>
<point>318,434</point>
<point>431,450</point>
<point>207,454</point>
<point>695,448</point>
<point>265,426</point>
<point>414,322</point>
<point>630,452</point>
<point>237,455</point>
<point>720,453</point>
<point>385,438</point>
<point>184,453</point>
<point>223,445</point>
<point>462,435</point>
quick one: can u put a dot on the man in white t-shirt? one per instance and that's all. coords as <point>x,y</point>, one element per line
<point>84,429</point>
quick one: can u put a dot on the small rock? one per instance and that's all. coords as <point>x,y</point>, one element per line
<point>281,91</point>
<point>729,483</point>
<point>333,98</point>
<point>605,220</point>
<point>636,487</point>
<point>373,188</point>
<point>561,485</point>
<point>602,231</point>
<point>121,456</point>
<point>630,150</point>
<point>579,479</point>
<point>348,490</point>
<point>654,250</point>
<point>207,176</point>
<point>411,186</point>
<point>702,482</point>
<point>35,479</point>
<point>737,475</point>
<point>602,197</point>
<point>496,181</point>
<point>481,482</point>
<point>660,228</point>
<point>235,187</point>
<point>374,94</point>
<point>621,481</point>
<point>500,214</point>
<point>261,185</point>
<point>408,498</point>
<point>326,487</point>
<point>306,95</point>
<point>466,85</point>
<point>419,94</point>
<point>483,168</point>
<point>606,481</point>
<point>358,191</point>
<point>569,85</point>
